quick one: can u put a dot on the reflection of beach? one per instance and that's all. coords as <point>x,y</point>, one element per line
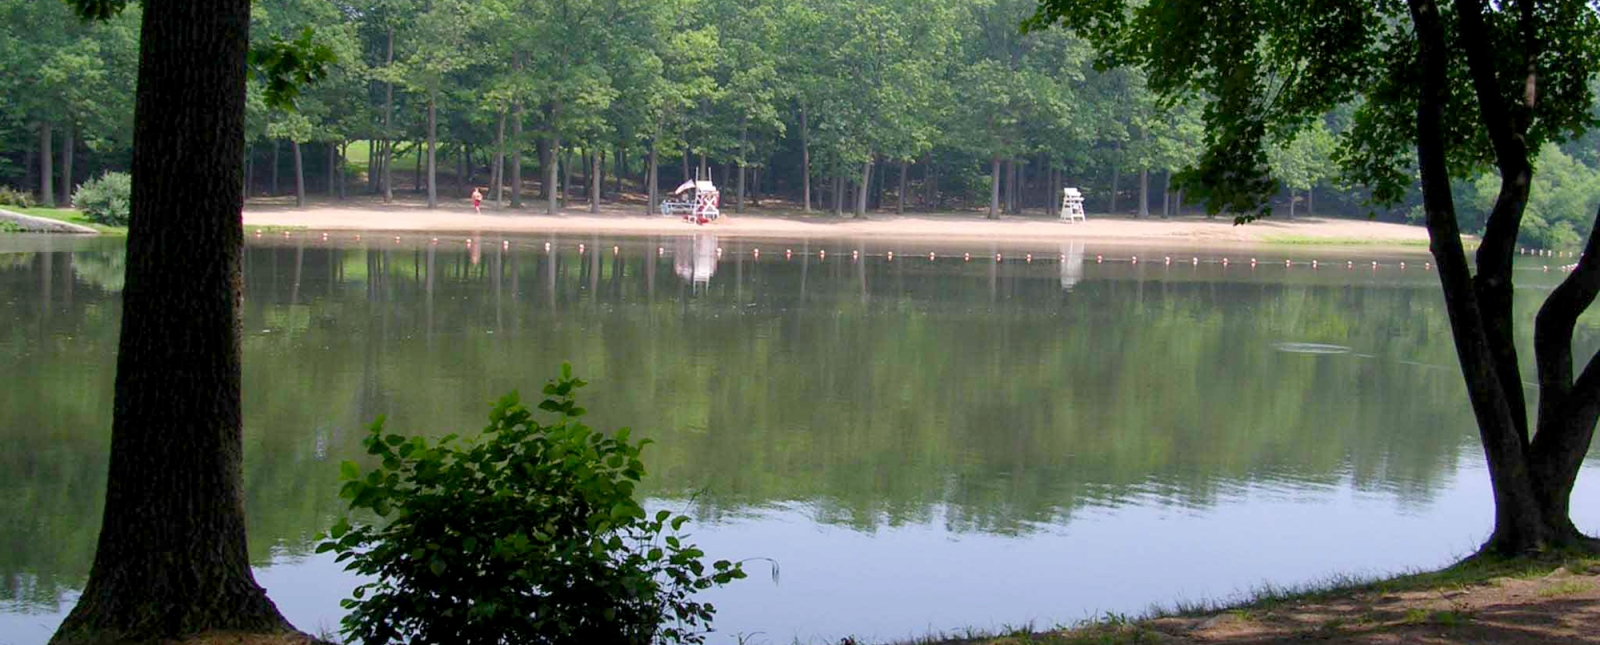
<point>1071,264</point>
<point>695,258</point>
<point>795,225</point>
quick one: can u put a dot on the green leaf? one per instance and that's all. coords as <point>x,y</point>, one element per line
<point>348,470</point>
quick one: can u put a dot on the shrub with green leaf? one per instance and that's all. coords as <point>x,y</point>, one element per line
<point>527,534</point>
<point>105,199</point>
<point>17,198</point>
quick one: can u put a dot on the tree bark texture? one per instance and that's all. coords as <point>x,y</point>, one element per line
<point>47,184</point>
<point>1532,476</point>
<point>433,143</point>
<point>863,190</point>
<point>388,117</point>
<point>299,176</point>
<point>552,171</point>
<point>1144,193</point>
<point>171,558</point>
<point>651,190</point>
<point>900,194</point>
<point>994,188</point>
<point>805,161</point>
<point>68,142</point>
<point>595,180</point>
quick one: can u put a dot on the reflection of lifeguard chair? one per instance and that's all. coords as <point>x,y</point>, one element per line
<point>1072,205</point>
<point>701,208</point>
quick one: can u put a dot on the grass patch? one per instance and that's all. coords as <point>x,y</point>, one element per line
<point>1566,588</point>
<point>252,229</point>
<point>9,227</point>
<point>70,216</point>
<point>1307,240</point>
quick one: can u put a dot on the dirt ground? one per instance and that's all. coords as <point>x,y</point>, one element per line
<point>1558,607</point>
<point>788,223</point>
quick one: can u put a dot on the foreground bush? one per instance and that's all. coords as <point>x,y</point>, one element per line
<point>105,199</point>
<point>18,198</point>
<point>528,534</point>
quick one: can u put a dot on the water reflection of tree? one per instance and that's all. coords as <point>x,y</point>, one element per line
<point>977,394</point>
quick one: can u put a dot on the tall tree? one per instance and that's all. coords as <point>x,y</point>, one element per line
<point>171,560</point>
<point>1465,85</point>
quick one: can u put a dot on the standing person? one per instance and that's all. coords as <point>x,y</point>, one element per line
<point>477,200</point>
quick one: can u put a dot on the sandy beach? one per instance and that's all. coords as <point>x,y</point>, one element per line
<point>791,224</point>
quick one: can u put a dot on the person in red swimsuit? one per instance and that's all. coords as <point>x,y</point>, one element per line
<point>477,200</point>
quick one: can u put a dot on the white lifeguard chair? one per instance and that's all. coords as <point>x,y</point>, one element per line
<point>695,201</point>
<point>1072,205</point>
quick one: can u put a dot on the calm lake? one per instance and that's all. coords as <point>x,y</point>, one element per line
<point>923,445</point>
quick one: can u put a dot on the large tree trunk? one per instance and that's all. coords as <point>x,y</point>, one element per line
<point>388,117</point>
<point>1291,203</point>
<point>1311,202</point>
<point>47,184</point>
<point>805,161</point>
<point>863,190</point>
<point>299,176</point>
<point>433,143</point>
<point>994,188</point>
<point>1528,478</point>
<point>171,559</point>
<point>67,144</point>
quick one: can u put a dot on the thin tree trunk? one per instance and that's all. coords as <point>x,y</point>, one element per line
<point>276,146</point>
<point>516,157</point>
<point>1144,192</point>
<point>805,160</point>
<point>1291,203</point>
<point>47,184</point>
<point>994,188</point>
<point>299,176</point>
<point>596,179</point>
<point>566,175</point>
<point>171,560</point>
<point>900,195</point>
<point>552,173</point>
<point>1311,202</point>
<point>651,191</point>
<point>461,169</point>
<point>1166,196</point>
<point>388,117</point>
<point>497,175</point>
<point>838,195</point>
<point>1116,176</point>
<point>416,173</point>
<point>433,144</point>
<point>344,153</point>
<point>619,167</point>
<point>249,150</point>
<point>68,141</point>
<point>1177,204</point>
<point>931,178</point>
<point>1008,184</point>
<point>863,190</point>
<point>686,163</point>
<point>738,193</point>
<point>333,167</point>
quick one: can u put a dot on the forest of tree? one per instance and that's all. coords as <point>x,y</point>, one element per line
<point>934,104</point>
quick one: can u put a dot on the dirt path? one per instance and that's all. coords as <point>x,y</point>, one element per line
<point>777,223</point>
<point>1558,607</point>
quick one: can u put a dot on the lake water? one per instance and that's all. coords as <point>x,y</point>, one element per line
<point>924,445</point>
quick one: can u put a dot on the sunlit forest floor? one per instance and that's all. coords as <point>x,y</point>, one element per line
<point>1497,603</point>
<point>783,219</point>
